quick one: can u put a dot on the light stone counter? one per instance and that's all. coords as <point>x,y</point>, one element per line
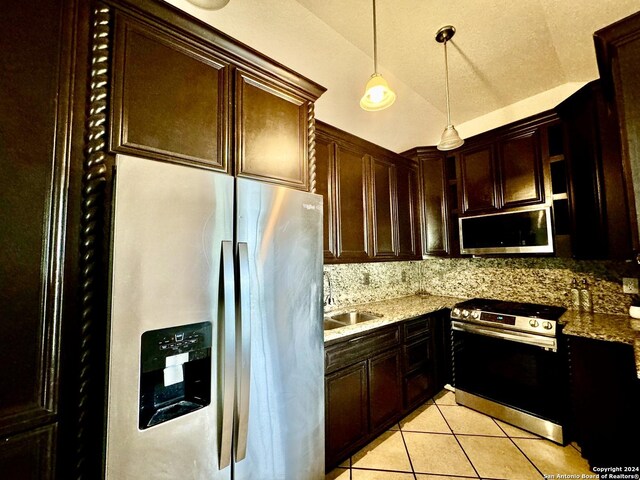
<point>603,326</point>
<point>392,310</point>
<point>598,326</point>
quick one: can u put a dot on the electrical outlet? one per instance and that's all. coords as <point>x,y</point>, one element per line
<point>630,285</point>
<point>404,275</point>
<point>366,278</point>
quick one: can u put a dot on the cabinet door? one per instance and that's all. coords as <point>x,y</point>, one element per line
<point>478,180</point>
<point>521,169</point>
<point>407,206</point>
<point>29,455</point>
<point>385,388</point>
<point>618,50</point>
<point>271,132</point>
<point>435,235</point>
<point>38,163</point>
<point>383,208</point>
<point>605,394</point>
<point>352,204</point>
<point>346,410</point>
<point>325,186</point>
<point>170,97</point>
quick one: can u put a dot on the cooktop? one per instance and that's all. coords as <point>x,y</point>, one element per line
<point>530,310</point>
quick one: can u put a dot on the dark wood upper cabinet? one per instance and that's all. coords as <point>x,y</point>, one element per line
<point>183,92</point>
<point>352,216</point>
<point>521,179</point>
<point>478,180</point>
<point>370,199</point>
<point>271,132</point>
<point>383,214</point>
<point>170,96</point>
<point>325,186</point>
<point>599,207</point>
<point>408,216</point>
<point>433,193</point>
<point>618,50</point>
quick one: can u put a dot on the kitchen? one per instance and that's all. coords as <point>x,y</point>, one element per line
<point>58,212</point>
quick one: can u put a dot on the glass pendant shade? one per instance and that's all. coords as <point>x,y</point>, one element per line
<point>450,139</point>
<point>377,94</point>
<point>209,4</point>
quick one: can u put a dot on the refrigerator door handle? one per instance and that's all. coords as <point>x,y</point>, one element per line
<point>226,352</point>
<point>243,352</point>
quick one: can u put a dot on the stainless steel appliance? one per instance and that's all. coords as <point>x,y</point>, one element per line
<point>216,343</point>
<point>510,362</point>
<point>522,231</point>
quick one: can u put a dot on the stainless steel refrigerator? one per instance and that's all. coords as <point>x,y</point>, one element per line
<point>216,345</point>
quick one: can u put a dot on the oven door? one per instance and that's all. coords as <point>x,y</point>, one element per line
<point>523,371</point>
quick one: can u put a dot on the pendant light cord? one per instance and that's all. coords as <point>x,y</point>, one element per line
<point>375,41</point>
<point>446,82</point>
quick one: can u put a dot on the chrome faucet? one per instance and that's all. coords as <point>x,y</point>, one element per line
<point>328,299</point>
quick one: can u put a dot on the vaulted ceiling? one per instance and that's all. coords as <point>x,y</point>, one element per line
<point>508,59</point>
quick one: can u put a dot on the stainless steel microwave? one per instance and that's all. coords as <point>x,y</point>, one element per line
<point>521,231</point>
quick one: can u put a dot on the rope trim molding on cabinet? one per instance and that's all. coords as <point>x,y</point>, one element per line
<point>311,140</point>
<point>93,192</point>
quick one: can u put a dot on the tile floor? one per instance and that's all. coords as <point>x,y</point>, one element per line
<point>442,440</point>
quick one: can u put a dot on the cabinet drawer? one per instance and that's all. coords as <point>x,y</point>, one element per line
<point>418,326</point>
<point>417,387</point>
<point>417,353</point>
<point>358,348</point>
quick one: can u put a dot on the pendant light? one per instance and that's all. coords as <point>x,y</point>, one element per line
<point>450,138</point>
<point>377,94</point>
<point>209,4</point>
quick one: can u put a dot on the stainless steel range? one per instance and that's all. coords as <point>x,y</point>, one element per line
<point>510,362</point>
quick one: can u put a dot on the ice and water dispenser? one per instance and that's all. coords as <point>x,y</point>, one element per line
<point>175,372</point>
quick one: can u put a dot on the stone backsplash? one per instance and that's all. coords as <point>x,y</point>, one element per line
<point>539,280</point>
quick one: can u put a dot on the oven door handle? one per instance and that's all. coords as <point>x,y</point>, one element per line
<point>547,343</point>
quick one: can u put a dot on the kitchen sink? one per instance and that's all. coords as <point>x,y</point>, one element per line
<point>330,324</point>
<point>348,318</point>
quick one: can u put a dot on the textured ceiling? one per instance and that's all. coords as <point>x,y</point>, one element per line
<point>508,59</point>
<point>503,51</point>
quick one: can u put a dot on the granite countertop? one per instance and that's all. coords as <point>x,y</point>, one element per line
<point>392,310</point>
<point>603,326</point>
<point>599,326</point>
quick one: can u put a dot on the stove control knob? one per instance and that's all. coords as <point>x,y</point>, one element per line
<point>475,314</point>
<point>547,325</point>
<point>465,313</point>
<point>533,323</point>
<point>456,312</point>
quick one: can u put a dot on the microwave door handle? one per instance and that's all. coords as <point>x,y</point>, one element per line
<point>226,354</point>
<point>534,340</point>
<point>243,352</point>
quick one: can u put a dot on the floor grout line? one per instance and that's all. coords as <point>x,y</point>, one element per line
<point>461,447</point>
<point>413,470</point>
<point>350,464</point>
<point>516,445</point>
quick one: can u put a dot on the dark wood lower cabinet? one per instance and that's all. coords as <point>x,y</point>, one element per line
<point>347,418</point>
<point>605,395</point>
<point>385,389</point>
<point>374,379</point>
